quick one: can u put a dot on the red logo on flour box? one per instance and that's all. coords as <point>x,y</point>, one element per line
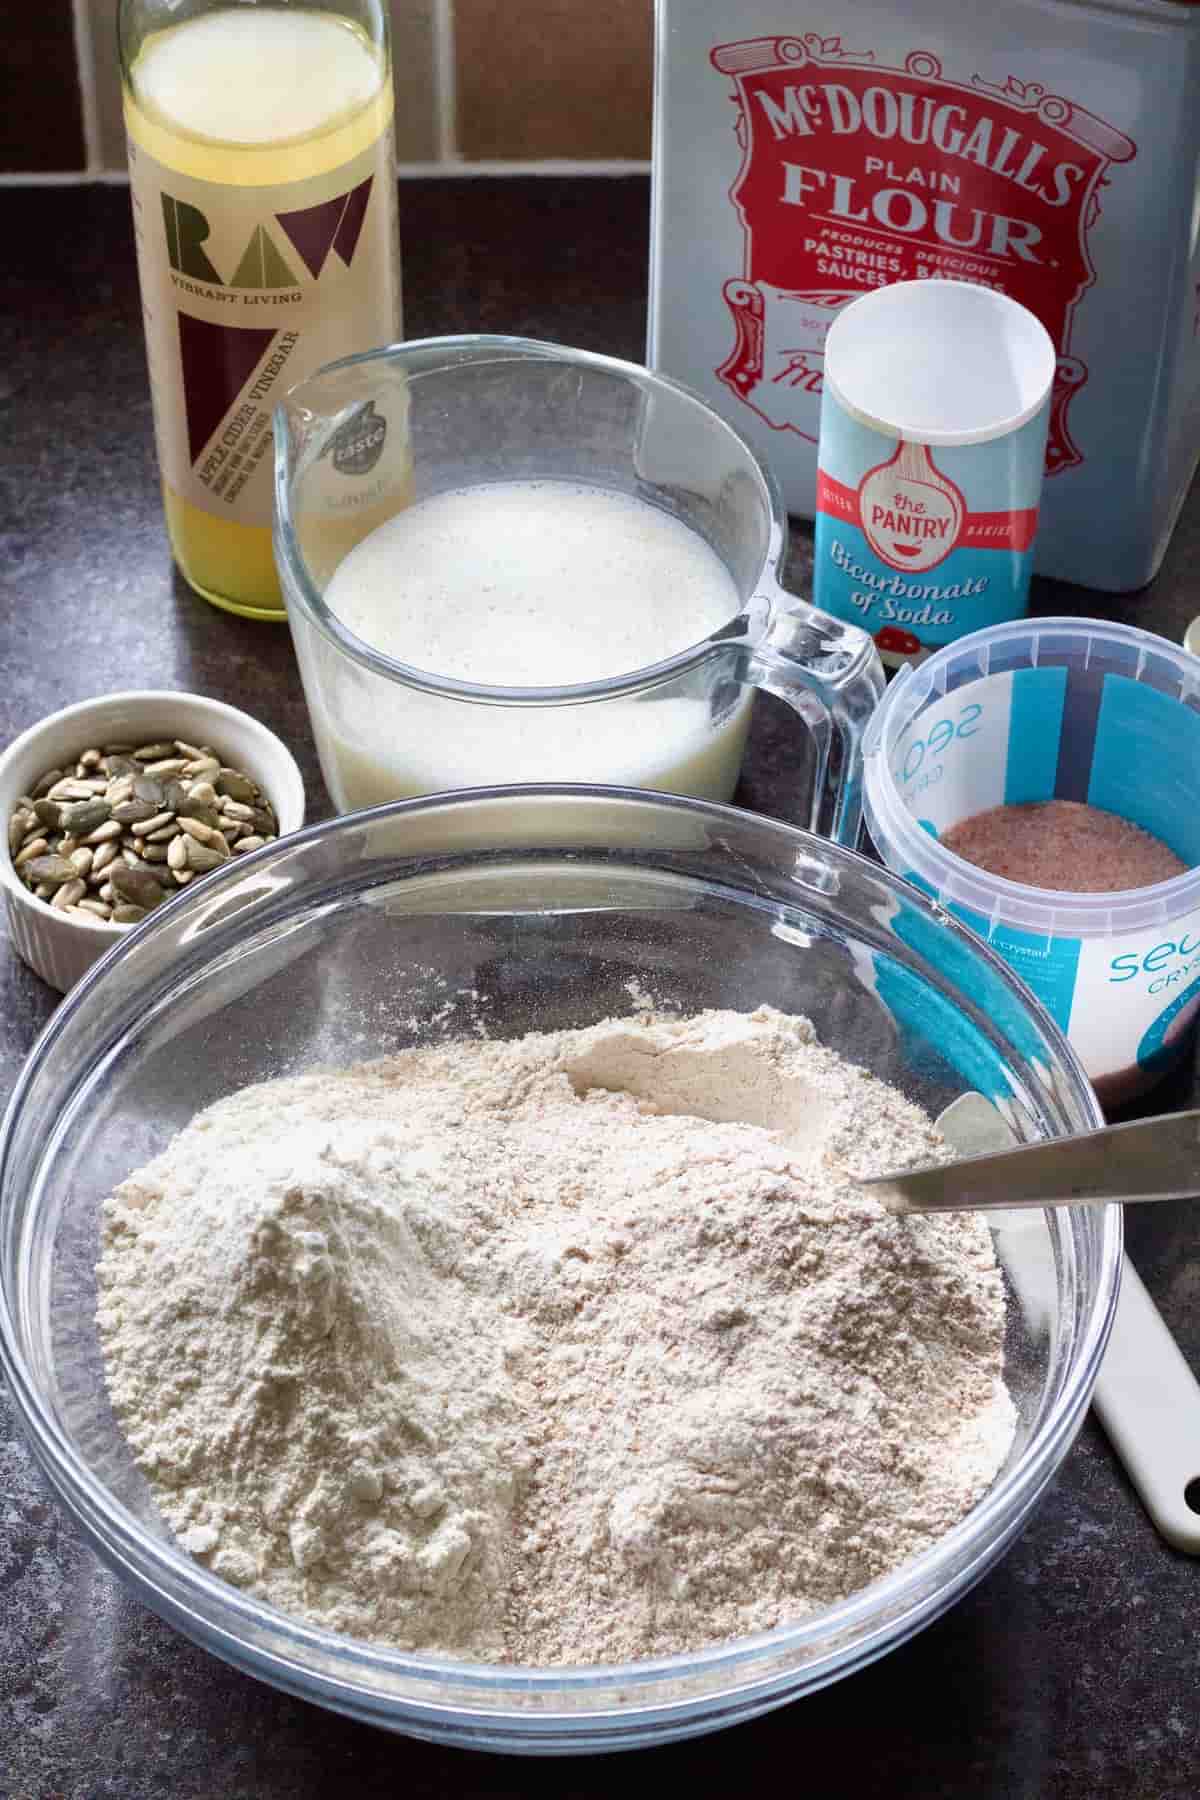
<point>855,175</point>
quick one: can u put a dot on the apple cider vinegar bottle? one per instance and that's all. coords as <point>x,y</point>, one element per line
<point>262,171</point>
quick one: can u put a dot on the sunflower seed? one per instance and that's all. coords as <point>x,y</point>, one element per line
<point>45,890</point>
<point>170,765</point>
<point>183,876</point>
<point>118,790</point>
<point>47,782</point>
<point>68,894</point>
<point>248,843</point>
<point>16,832</point>
<point>107,893</point>
<point>70,789</point>
<point>105,854</point>
<point>148,753</point>
<point>193,752</point>
<point>202,768</point>
<point>149,826</point>
<point>204,793</point>
<point>177,853</point>
<point>89,759</point>
<point>105,834</point>
<point>164,833</point>
<point>204,834</point>
<point>96,908</point>
<point>127,914</point>
<point>155,853</point>
<point>236,809</point>
<point>81,860</point>
<point>37,846</point>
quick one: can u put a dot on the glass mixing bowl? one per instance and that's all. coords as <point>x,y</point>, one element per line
<point>524,909</point>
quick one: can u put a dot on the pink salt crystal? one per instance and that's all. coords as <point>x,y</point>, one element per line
<point>1063,845</point>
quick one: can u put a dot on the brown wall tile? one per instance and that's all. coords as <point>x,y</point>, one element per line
<point>41,116</point>
<point>412,58</point>
<point>553,78</point>
<point>412,62</point>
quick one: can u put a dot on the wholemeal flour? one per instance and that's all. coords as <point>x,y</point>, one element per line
<point>577,1347</point>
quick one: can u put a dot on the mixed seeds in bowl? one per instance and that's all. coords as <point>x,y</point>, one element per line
<point>111,836</point>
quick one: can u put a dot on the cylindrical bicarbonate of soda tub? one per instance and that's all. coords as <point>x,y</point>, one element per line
<point>933,432</point>
<point>1068,709</point>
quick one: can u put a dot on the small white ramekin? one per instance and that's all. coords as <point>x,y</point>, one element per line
<point>59,947</point>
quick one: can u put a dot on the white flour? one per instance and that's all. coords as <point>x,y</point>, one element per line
<point>515,1350</point>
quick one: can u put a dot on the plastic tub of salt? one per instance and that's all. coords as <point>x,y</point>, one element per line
<point>1097,910</point>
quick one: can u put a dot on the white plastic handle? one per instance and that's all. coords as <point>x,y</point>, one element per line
<point>1146,1397</point>
<point>1148,1401</point>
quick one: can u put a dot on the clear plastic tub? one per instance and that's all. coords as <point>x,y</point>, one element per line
<point>1071,709</point>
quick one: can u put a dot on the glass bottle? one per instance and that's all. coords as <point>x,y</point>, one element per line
<point>262,170</point>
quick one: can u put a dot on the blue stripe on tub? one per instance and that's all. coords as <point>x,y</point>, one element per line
<point>1146,763</point>
<point>1080,710</point>
<point>1034,733</point>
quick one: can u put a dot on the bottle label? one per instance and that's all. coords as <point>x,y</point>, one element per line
<point>246,291</point>
<point>919,545</point>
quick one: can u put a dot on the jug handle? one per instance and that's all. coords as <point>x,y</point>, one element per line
<point>830,673</point>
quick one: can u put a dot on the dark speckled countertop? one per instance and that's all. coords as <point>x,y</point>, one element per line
<point>1072,1671</point>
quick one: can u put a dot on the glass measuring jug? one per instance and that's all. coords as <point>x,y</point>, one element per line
<point>370,436</point>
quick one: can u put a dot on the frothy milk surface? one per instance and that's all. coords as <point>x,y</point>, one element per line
<point>532,584</point>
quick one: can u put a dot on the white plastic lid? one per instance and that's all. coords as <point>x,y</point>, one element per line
<point>939,362</point>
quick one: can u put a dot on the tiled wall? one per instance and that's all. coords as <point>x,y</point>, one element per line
<point>476,81</point>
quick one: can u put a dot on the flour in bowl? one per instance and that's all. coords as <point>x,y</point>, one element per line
<point>577,1347</point>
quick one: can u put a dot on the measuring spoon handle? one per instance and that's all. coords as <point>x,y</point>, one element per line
<point>1148,1159</point>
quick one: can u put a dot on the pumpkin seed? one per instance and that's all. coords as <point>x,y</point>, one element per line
<point>132,812</point>
<point>136,888</point>
<point>200,858</point>
<point>84,816</point>
<point>52,868</point>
